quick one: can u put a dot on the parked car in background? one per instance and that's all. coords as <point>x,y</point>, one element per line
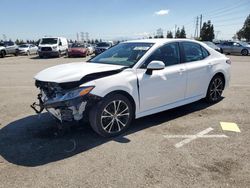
<point>213,46</point>
<point>91,48</point>
<point>27,49</point>
<point>53,46</point>
<point>7,48</point>
<point>2,51</point>
<point>131,80</point>
<point>231,47</point>
<point>102,46</point>
<point>77,50</point>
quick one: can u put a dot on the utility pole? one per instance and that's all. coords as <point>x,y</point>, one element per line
<point>82,36</point>
<point>87,36</point>
<point>200,24</point>
<point>196,31</point>
<point>175,31</point>
<point>4,37</point>
<point>216,35</point>
<point>77,37</point>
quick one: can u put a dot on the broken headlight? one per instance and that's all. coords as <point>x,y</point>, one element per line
<point>81,91</point>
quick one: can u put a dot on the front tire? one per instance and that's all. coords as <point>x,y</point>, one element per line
<point>111,116</point>
<point>244,52</point>
<point>2,54</point>
<point>215,89</point>
<point>16,53</point>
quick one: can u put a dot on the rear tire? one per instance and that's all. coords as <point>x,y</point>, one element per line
<point>2,54</point>
<point>215,89</point>
<point>111,116</point>
<point>16,53</point>
<point>244,52</point>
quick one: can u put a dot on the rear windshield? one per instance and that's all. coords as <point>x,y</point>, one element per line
<point>78,46</point>
<point>103,44</point>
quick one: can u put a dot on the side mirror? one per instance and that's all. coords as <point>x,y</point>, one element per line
<point>154,65</point>
<point>60,43</point>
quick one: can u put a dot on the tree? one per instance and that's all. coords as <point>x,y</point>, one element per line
<point>17,42</point>
<point>96,41</point>
<point>178,33</point>
<point>207,31</point>
<point>182,33</point>
<point>244,32</point>
<point>169,34</point>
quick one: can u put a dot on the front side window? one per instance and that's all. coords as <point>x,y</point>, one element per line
<point>169,54</point>
<point>126,54</point>
<point>192,52</point>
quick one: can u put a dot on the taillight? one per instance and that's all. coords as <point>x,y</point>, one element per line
<point>228,61</point>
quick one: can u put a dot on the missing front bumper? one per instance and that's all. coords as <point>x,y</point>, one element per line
<point>68,110</point>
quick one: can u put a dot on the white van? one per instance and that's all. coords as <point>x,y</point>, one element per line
<point>53,46</point>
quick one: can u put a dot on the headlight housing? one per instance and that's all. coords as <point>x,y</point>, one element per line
<point>70,95</point>
<point>54,47</point>
<point>79,92</point>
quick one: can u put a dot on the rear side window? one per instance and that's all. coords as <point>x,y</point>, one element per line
<point>205,53</point>
<point>192,52</point>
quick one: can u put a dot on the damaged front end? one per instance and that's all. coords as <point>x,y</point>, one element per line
<point>65,101</point>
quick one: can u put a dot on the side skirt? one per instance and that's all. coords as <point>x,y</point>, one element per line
<point>169,106</point>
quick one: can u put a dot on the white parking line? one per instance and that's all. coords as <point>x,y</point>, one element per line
<point>190,138</point>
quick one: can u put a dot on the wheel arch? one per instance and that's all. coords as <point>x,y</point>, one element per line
<point>220,73</point>
<point>126,94</point>
<point>244,49</point>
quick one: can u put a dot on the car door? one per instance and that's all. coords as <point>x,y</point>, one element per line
<point>236,48</point>
<point>32,49</point>
<point>165,86</point>
<point>227,47</point>
<point>198,68</point>
<point>8,48</point>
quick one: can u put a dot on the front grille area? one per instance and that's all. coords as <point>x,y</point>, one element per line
<point>49,88</point>
<point>46,49</point>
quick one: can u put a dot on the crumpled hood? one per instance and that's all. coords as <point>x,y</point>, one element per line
<point>73,71</point>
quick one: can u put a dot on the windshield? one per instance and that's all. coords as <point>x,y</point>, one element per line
<point>49,41</point>
<point>78,46</point>
<point>126,54</point>
<point>210,44</point>
<point>23,46</point>
<point>103,44</point>
<point>243,43</point>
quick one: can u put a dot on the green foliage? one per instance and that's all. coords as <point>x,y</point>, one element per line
<point>207,31</point>
<point>244,32</point>
<point>169,34</point>
<point>182,33</point>
<point>178,33</point>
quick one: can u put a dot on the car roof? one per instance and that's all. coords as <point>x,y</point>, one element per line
<point>161,41</point>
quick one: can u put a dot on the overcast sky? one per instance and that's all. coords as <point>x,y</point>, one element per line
<point>113,19</point>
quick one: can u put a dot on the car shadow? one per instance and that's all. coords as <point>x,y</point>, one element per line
<point>33,141</point>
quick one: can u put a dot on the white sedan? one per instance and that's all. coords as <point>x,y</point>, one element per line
<point>131,80</point>
<point>27,49</point>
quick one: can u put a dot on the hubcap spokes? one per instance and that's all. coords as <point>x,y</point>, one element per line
<point>216,90</point>
<point>115,116</point>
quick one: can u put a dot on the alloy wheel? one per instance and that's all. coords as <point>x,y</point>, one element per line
<point>115,116</point>
<point>216,89</point>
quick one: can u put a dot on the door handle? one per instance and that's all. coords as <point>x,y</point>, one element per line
<point>181,70</point>
<point>210,65</point>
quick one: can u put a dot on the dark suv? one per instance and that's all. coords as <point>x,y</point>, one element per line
<point>102,46</point>
<point>8,47</point>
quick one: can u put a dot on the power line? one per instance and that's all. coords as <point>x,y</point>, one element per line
<point>226,9</point>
